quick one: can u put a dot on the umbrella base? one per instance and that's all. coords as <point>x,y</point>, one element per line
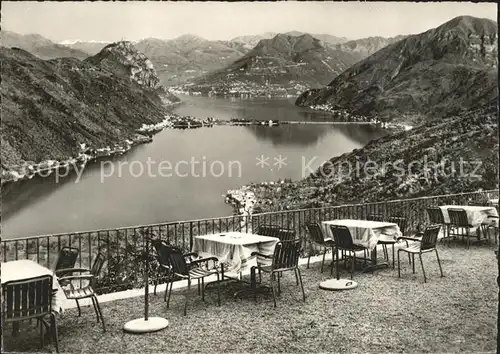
<point>140,325</point>
<point>338,284</point>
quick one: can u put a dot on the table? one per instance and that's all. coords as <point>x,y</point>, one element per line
<point>477,215</point>
<point>366,233</point>
<point>234,249</point>
<point>25,269</point>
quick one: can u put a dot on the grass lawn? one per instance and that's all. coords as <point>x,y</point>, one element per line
<point>384,314</point>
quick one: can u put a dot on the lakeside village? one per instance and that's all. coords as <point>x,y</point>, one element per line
<point>172,121</point>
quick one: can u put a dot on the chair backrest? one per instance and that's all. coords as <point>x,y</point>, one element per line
<point>429,239</point>
<point>98,264</point>
<point>458,217</point>
<point>286,254</point>
<point>162,251</point>
<point>268,230</point>
<point>67,258</point>
<point>27,298</point>
<point>286,235</point>
<point>316,233</point>
<point>400,221</point>
<point>177,261</point>
<point>485,203</point>
<point>435,215</point>
<point>375,217</point>
<point>342,237</point>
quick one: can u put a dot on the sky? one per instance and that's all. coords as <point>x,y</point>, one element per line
<point>112,21</point>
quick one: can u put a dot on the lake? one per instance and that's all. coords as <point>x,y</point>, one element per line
<point>182,174</point>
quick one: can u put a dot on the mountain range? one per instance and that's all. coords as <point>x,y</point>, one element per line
<point>443,71</point>
<point>39,46</point>
<point>51,107</point>
<point>284,61</point>
<point>184,58</point>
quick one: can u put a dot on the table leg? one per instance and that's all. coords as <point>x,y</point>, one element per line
<point>374,264</point>
<point>253,289</point>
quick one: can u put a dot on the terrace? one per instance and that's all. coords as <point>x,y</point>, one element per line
<point>384,314</point>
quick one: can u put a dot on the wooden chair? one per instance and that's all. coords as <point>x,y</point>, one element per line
<point>66,260</point>
<point>427,243</point>
<point>343,241</point>
<point>317,237</point>
<point>30,299</point>
<point>285,258</point>
<point>188,272</point>
<point>79,287</point>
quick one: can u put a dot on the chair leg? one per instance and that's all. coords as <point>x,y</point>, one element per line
<point>333,260</point>
<point>199,291</point>
<point>399,266</point>
<point>169,293</point>
<point>202,288</point>
<point>409,255</point>
<point>301,284</point>
<point>79,309</point>
<point>308,260</point>
<point>422,264</point>
<point>439,263</point>
<point>353,265</point>
<point>95,308</point>
<point>337,265</point>
<point>218,289</point>
<point>296,279</point>
<point>279,285</point>
<point>323,262</point>
<point>100,313</point>
<point>166,291</point>
<point>413,262</point>
<point>53,327</point>
<point>393,260</point>
<point>272,289</point>
<point>186,298</point>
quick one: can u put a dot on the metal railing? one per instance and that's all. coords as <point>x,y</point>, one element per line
<point>122,246</point>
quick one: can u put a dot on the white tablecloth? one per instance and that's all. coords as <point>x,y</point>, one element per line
<point>25,269</point>
<point>365,232</point>
<point>234,249</point>
<point>476,215</point>
<point>494,201</point>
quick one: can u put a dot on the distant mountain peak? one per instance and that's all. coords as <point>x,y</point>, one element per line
<point>190,38</point>
<point>435,73</point>
<point>123,59</point>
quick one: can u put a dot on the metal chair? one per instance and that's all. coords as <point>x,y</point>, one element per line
<point>85,284</point>
<point>343,241</point>
<point>317,237</point>
<point>184,271</point>
<point>162,249</point>
<point>285,258</point>
<point>436,217</point>
<point>375,217</point>
<point>66,260</point>
<point>401,222</point>
<point>30,299</point>
<point>460,223</point>
<point>268,230</point>
<point>427,243</point>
